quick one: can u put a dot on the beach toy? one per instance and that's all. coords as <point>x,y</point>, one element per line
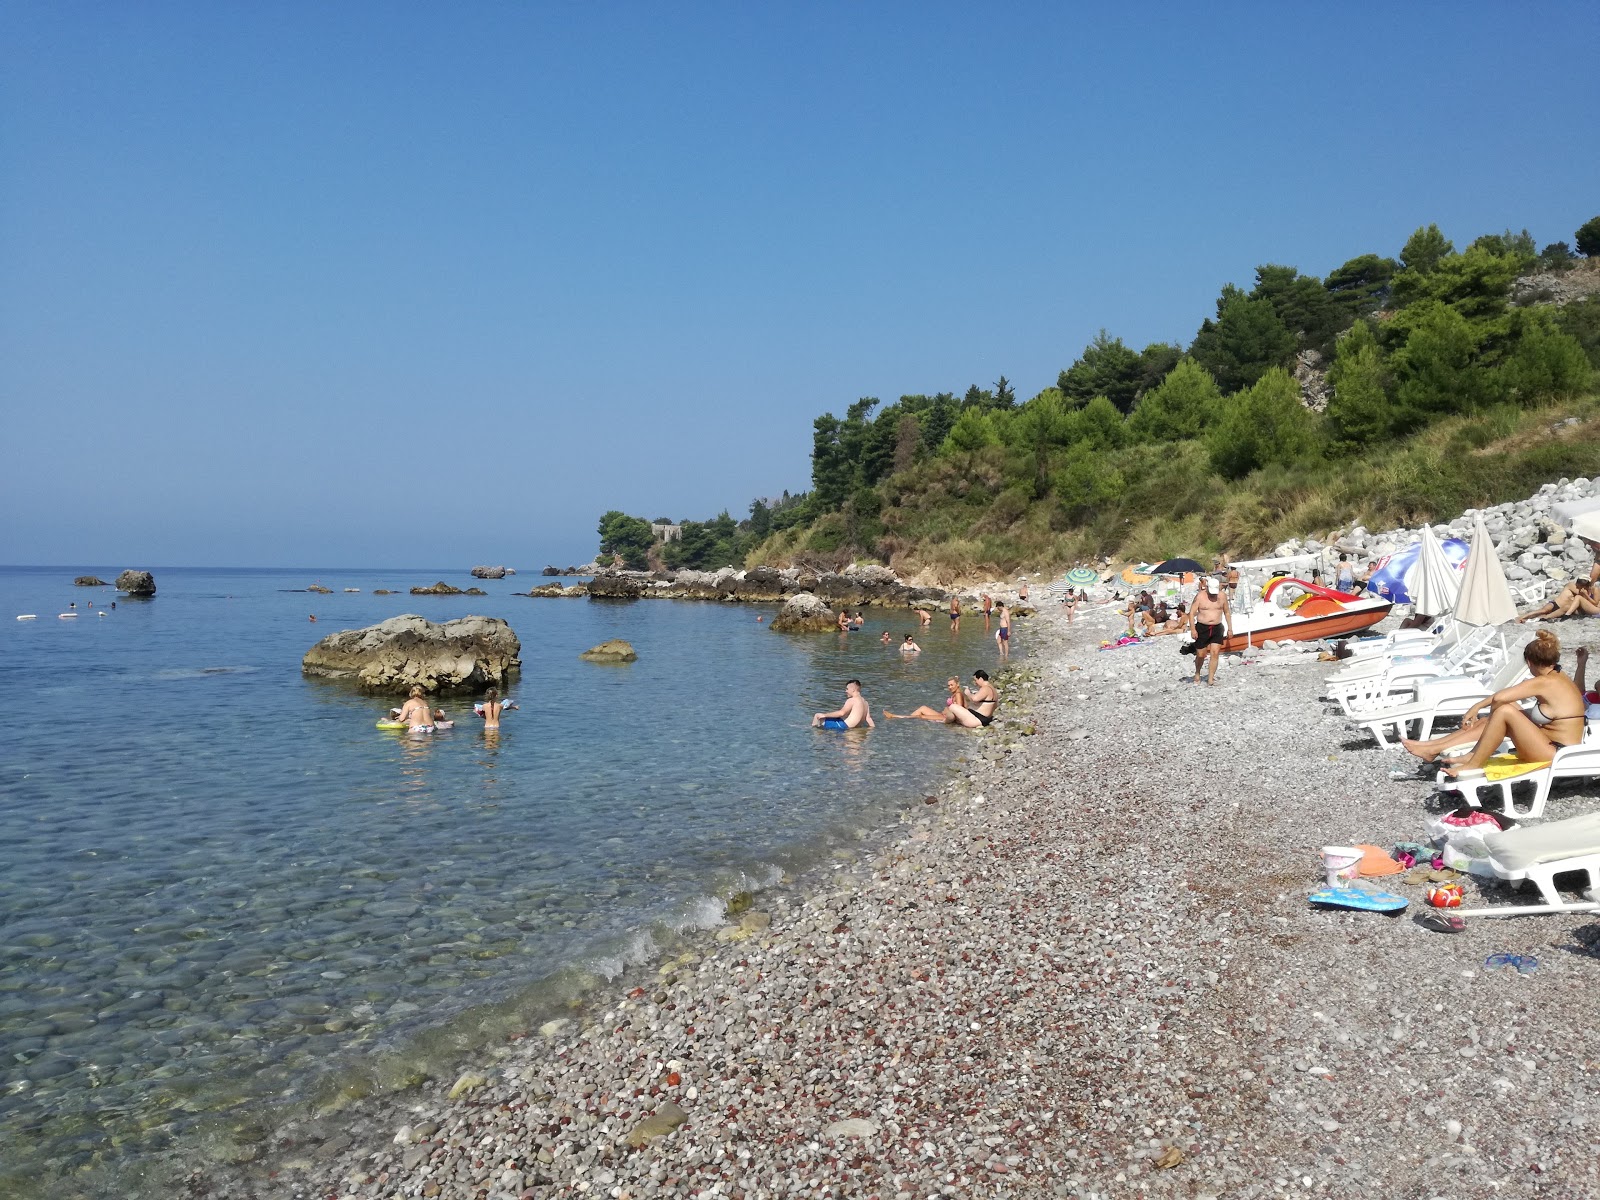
<point>1445,895</point>
<point>1341,864</point>
<point>1359,898</point>
<point>391,724</point>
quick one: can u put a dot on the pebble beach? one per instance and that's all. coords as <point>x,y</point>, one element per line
<point>1085,966</point>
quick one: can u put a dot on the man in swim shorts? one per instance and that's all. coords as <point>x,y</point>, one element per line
<point>855,711</point>
<point>1002,635</point>
<point>955,614</point>
<point>1213,625</point>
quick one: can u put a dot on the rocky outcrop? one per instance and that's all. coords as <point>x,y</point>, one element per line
<point>805,613</point>
<point>88,581</point>
<point>1311,373</point>
<point>488,572</point>
<point>555,589</point>
<point>1580,280</point>
<point>462,655</point>
<point>320,590</point>
<point>382,592</point>
<point>614,651</point>
<point>616,586</point>
<point>474,591</point>
<point>439,589</point>
<point>136,583</point>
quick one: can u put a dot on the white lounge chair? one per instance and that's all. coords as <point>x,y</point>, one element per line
<point>1581,761</point>
<point>1397,683</point>
<point>1363,651</point>
<point>1451,696</point>
<point>1541,852</point>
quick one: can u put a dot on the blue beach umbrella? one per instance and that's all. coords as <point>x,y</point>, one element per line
<point>1396,574</point>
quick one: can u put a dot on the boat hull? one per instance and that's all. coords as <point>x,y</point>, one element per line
<point>1310,629</point>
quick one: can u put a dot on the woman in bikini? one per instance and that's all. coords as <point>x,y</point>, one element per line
<point>1577,596</point>
<point>1555,720</point>
<point>955,711</point>
<point>981,698</point>
<point>416,712</point>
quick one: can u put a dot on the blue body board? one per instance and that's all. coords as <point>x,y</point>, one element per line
<point>1362,899</point>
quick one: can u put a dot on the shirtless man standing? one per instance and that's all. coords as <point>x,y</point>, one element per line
<point>855,711</point>
<point>955,614</point>
<point>1213,624</point>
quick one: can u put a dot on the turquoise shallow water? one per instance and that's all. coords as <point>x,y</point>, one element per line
<point>221,888</point>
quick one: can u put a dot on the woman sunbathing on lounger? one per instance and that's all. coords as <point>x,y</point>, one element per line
<point>1578,596</point>
<point>1555,720</point>
<point>955,711</point>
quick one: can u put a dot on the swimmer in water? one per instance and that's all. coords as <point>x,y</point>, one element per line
<point>855,711</point>
<point>885,639</point>
<point>490,709</point>
<point>416,712</point>
<point>909,646</point>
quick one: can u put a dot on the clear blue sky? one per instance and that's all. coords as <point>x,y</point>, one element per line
<point>405,284</point>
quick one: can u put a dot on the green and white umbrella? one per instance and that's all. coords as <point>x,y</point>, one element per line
<point>1082,576</point>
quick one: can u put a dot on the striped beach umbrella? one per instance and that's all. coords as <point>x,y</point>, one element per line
<point>1082,576</point>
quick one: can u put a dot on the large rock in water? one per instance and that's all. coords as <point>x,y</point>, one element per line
<point>468,654</point>
<point>614,651</point>
<point>88,581</point>
<point>488,572</point>
<point>136,583</point>
<point>439,589</point>
<point>805,613</point>
<point>615,587</point>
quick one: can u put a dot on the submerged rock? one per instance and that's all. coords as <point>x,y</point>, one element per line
<point>805,613</point>
<point>462,655</point>
<point>614,651</point>
<point>320,590</point>
<point>88,581</point>
<point>439,589</point>
<point>136,583</point>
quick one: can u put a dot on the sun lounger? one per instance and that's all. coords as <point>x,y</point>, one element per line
<point>1452,653</point>
<point>1504,772</point>
<point>1541,852</point>
<point>1443,698</point>
<point>1398,684</point>
<point>1401,641</point>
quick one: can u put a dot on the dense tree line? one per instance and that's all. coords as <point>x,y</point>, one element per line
<point>1405,342</point>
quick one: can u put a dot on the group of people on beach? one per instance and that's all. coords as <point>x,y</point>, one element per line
<point>970,707</point>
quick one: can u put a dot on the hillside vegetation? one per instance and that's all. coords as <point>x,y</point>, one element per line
<point>1451,380</point>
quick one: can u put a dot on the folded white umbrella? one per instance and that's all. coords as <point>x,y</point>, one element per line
<point>1434,583</point>
<point>1485,597</point>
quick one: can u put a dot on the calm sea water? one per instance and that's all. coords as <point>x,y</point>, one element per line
<point>222,889</point>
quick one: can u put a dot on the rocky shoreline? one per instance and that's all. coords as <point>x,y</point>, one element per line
<point>855,587</point>
<point>1084,967</point>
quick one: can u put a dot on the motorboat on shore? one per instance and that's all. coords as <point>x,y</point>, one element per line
<point>1293,610</point>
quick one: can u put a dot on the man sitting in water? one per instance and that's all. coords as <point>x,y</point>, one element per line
<point>855,711</point>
